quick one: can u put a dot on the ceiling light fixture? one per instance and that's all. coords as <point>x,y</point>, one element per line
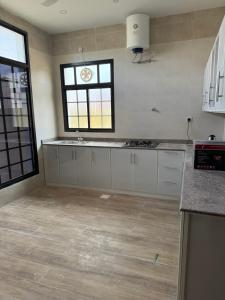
<point>63,11</point>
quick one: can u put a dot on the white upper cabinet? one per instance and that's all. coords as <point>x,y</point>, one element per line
<point>213,86</point>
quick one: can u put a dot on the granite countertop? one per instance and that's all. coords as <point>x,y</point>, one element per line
<point>114,144</point>
<point>202,191</point>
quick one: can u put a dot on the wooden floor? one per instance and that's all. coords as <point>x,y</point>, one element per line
<point>64,244</point>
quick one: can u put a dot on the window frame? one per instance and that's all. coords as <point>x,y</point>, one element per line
<point>65,88</point>
<point>26,66</point>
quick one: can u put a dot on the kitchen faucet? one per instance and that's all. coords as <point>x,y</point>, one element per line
<point>79,139</point>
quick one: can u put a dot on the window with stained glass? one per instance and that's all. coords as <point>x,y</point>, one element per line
<point>18,153</point>
<point>88,96</point>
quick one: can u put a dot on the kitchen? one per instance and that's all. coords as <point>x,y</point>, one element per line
<point>99,196</point>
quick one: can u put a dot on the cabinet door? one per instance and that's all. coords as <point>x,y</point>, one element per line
<point>220,89</point>
<point>51,164</point>
<point>100,175</point>
<point>206,84</point>
<point>83,163</point>
<point>213,76</point>
<point>122,169</point>
<point>67,165</point>
<point>145,171</point>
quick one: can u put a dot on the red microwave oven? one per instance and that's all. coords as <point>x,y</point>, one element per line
<point>209,155</point>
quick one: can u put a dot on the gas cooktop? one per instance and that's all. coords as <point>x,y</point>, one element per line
<point>141,144</point>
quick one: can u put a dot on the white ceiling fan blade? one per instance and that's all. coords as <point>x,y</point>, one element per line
<point>48,3</point>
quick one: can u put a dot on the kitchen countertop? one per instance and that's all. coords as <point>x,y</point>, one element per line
<point>114,144</point>
<point>202,191</point>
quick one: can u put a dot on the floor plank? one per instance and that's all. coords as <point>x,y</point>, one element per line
<point>61,243</point>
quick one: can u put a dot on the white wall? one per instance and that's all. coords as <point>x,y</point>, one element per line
<point>172,83</point>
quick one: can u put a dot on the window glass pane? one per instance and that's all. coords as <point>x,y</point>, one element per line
<point>6,72</point>
<point>11,123</point>
<point>26,153</point>
<point>82,95</point>
<point>1,124</point>
<point>87,74</point>
<point>73,122</point>
<point>71,96</point>
<point>72,109</point>
<point>13,46</point>
<point>14,156</point>
<point>105,73</point>
<point>3,159</point>
<point>106,108</point>
<point>96,122</point>
<point>16,171</point>
<point>106,94</point>
<point>25,137</point>
<point>95,109</point>
<point>2,142</point>
<point>27,167</point>
<point>13,140</point>
<point>83,122</point>
<point>4,175</point>
<point>94,95</point>
<point>82,108</point>
<point>106,122</point>
<point>69,76</point>
<point>7,89</point>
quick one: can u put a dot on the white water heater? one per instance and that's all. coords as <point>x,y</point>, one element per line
<point>138,32</point>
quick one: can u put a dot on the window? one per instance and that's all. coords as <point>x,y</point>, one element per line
<point>18,154</point>
<point>88,96</point>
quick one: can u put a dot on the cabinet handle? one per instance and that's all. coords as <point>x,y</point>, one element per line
<point>75,155</point>
<point>131,158</point>
<point>135,159</point>
<point>56,153</point>
<point>171,168</point>
<point>92,157</point>
<point>171,182</point>
<point>171,152</point>
<point>218,88</point>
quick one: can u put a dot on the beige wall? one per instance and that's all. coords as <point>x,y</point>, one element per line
<point>172,82</point>
<point>44,108</point>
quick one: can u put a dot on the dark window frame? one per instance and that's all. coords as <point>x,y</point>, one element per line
<point>65,88</point>
<point>31,129</point>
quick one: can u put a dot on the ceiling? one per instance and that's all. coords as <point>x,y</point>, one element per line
<point>69,15</point>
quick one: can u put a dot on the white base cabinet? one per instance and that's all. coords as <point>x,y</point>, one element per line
<point>149,172</point>
<point>122,169</point>
<point>100,171</point>
<point>67,166</point>
<point>170,172</point>
<point>134,170</point>
<point>51,162</point>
